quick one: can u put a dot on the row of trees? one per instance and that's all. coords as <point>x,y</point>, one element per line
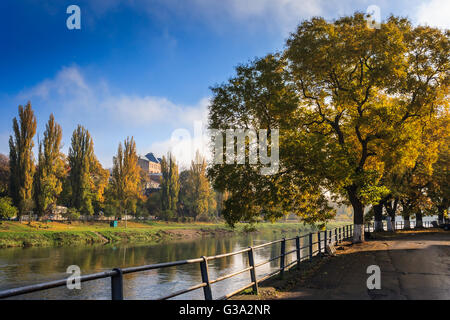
<point>363,120</point>
<point>78,181</point>
<point>187,195</point>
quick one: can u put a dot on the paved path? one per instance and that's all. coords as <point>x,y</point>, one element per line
<point>413,266</point>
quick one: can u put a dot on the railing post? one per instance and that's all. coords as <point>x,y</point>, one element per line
<point>251,261</point>
<point>346,232</point>
<point>310,246</point>
<point>282,256</point>
<point>298,251</point>
<point>335,236</point>
<point>205,279</point>
<point>117,285</point>
<point>325,240</point>
<point>319,241</point>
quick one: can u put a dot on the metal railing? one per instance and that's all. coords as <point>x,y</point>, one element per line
<point>324,238</point>
<point>399,225</point>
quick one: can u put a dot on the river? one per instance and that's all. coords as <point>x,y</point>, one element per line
<point>25,266</point>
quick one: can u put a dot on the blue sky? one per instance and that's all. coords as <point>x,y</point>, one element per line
<point>143,68</point>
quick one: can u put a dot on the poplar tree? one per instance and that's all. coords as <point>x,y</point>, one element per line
<point>195,190</point>
<point>170,186</point>
<point>50,170</point>
<point>21,160</point>
<point>126,176</point>
<point>4,175</point>
<point>81,154</point>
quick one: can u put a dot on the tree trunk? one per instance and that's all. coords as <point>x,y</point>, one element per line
<point>391,208</point>
<point>390,224</point>
<point>407,224</point>
<point>440,215</point>
<point>419,220</point>
<point>378,211</point>
<point>358,215</point>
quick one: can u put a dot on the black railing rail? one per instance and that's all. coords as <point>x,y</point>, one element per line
<point>325,237</point>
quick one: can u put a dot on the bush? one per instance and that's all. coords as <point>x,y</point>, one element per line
<point>203,218</point>
<point>72,214</point>
<point>249,228</point>
<point>7,210</point>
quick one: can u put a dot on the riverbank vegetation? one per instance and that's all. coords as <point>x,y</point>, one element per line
<point>32,189</point>
<point>16,234</point>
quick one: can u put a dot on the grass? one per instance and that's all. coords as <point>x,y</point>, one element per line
<point>17,234</point>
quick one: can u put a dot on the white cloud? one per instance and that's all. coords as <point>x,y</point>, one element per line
<point>184,143</point>
<point>280,15</point>
<point>70,91</point>
<point>111,117</point>
<point>434,13</point>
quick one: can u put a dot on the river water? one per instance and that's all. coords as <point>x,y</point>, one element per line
<point>25,266</point>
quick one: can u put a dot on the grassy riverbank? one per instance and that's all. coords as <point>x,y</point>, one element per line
<point>16,234</point>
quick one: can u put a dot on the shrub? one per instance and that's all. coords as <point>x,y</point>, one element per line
<point>7,210</point>
<point>72,214</point>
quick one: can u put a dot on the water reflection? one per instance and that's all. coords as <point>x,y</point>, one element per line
<point>25,266</point>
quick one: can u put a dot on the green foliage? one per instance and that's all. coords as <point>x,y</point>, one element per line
<point>21,159</point>
<point>196,198</point>
<point>51,168</point>
<point>126,177</point>
<point>7,210</point>
<point>72,214</point>
<point>4,175</point>
<point>170,186</point>
<point>81,154</point>
<point>153,204</point>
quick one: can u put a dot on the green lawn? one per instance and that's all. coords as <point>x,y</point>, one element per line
<point>16,234</point>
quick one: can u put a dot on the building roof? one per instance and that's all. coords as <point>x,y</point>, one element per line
<point>151,157</point>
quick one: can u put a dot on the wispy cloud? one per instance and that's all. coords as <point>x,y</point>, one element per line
<point>109,114</point>
<point>434,13</point>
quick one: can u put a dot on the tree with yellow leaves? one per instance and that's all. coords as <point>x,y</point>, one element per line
<point>125,179</point>
<point>21,160</point>
<point>51,168</point>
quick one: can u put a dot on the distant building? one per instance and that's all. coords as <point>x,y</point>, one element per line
<point>150,163</point>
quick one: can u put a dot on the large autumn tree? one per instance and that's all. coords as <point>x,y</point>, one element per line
<point>361,87</point>
<point>341,94</point>
<point>261,96</point>
<point>21,160</point>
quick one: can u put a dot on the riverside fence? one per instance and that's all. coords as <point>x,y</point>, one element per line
<point>306,247</point>
<point>399,225</point>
